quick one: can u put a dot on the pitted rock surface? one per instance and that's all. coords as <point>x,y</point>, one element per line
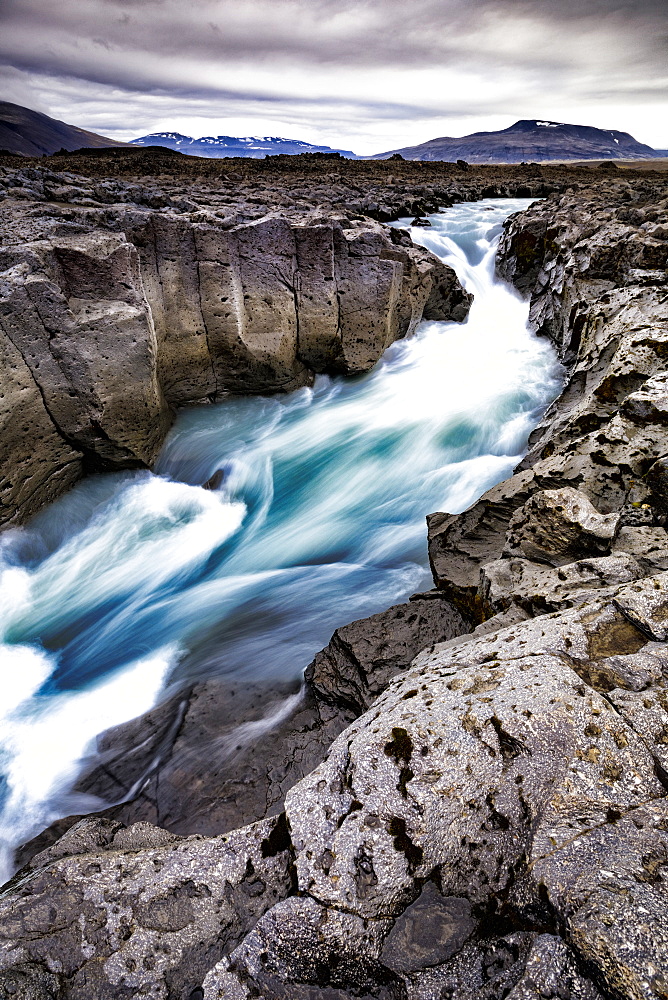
<point>596,271</point>
<point>556,526</point>
<point>499,768</point>
<point>191,766</point>
<point>131,917</point>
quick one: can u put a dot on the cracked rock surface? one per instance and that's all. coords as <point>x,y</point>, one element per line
<point>507,788</point>
<point>136,911</point>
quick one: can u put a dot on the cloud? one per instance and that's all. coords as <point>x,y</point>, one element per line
<point>371,70</point>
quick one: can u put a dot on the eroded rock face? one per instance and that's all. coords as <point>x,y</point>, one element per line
<point>218,755</point>
<point>75,310</point>
<point>595,267</point>
<point>104,332</point>
<point>261,307</point>
<point>128,912</point>
<point>363,657</point>
<point>558,526</point>
<point>496,773</point>
<point>496,821</point>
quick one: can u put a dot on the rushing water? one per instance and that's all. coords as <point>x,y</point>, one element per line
<point>133,580</point>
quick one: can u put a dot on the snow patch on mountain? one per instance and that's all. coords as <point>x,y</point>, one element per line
<point>254,146</point>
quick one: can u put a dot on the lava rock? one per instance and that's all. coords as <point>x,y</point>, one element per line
<point>558,527</point>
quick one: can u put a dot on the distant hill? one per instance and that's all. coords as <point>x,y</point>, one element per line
<point>530,140</point>
<point>228,145</point>
<point>34,134</point>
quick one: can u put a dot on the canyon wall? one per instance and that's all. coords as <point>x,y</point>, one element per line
<point>104,332</point>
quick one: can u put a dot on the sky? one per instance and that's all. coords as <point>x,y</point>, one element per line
<point>366,75</point>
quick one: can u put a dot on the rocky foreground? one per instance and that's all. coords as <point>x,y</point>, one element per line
<point>469,798</point>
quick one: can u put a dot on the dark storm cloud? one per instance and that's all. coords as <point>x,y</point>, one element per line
<point>368,58</point>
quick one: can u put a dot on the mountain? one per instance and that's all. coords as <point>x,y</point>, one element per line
<point>531,140</point>
<point>34,134</point>
<point>228,145</point>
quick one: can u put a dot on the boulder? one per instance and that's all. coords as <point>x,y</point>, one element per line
<point>492,785</point>
<point>540,589</point>
<point>364,656</point>
<point>219,754</point>
<point>140,913</point>
<point>558,527</point>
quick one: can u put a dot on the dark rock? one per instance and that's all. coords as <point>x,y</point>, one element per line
<point>301,951</point>
<point>657,481</point>
<point>552,971</point>
<point>29,982</point>
<point>429,932</point>
<point>219,755</point>
<point>485,968</point>
<point>364,656</point>
<point>215,481</point>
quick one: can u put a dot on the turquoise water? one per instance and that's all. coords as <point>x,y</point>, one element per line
<point>136,581</point>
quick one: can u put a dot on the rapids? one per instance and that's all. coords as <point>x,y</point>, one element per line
<point>135,582</point>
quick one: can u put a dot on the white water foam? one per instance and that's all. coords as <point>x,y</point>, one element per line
<point>44,740</point>
<point>158,528</point>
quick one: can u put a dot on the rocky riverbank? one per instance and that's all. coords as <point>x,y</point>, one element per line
<point>441,812</point>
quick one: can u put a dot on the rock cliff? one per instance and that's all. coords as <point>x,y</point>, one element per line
<point>586,506</point>
<point>107,325</point>
<point>490,819</point>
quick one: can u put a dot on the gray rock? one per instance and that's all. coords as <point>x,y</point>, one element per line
<point>29,982</point>
<point>455,763</point>
<point>131,919</point>
<point>102,332</point>
<point>362,657</point>
<point>609,888</point>
<point>646,711</point>
<point>80,320</point>
<point>552,972</point>
<point>36,463</point>
<point>645,604</point>
<point>558,527</point>
<point>648,546</point>
<point>485,968</point>
<point>302,951</point>
<point>538,588</point>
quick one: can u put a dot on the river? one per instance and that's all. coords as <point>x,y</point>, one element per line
<point>318,519</point>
